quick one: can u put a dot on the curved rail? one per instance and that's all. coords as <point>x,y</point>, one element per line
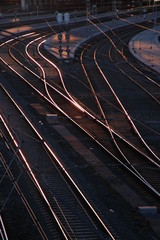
<point>55,157</point>
<point>113,44</point>
<point>146,183</point>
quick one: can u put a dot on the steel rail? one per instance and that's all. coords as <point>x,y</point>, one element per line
<point>152,152</point>
<point>146,183</point>
<point>23,198</point>
<point>145,155</point>
<point>25,160</point>
<point>108,127</point>
<point>4,236</point>
<point>101,108</point>
<point>136,170</point>
<point>55,157</point>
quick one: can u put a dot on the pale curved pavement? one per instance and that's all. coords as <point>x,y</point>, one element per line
<point>145,46</point>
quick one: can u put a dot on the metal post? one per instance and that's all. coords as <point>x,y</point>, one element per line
<point>87,8</point>
<point>87,16</point>
<point>60,20</point>
<point>154,13</point>
<point>60,44</point>
<point>66,20</point>
<point>113,9</point>
<point>23,5</point>
<point>67,41</point>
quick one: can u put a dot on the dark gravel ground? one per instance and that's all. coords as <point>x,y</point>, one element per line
<point>124,219</point>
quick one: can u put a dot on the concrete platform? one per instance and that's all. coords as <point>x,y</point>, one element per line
<point>142,45</point>
<point>146,47</point>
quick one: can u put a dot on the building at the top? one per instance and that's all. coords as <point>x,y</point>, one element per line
<point>69,5</point>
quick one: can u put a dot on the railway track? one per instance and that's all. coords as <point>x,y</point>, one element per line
<point>119,60</point>
<point>16,197</point>
<point>62,197</point>
<point>102,55</point>
<point>91,127</point>
<point>86,118</point>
